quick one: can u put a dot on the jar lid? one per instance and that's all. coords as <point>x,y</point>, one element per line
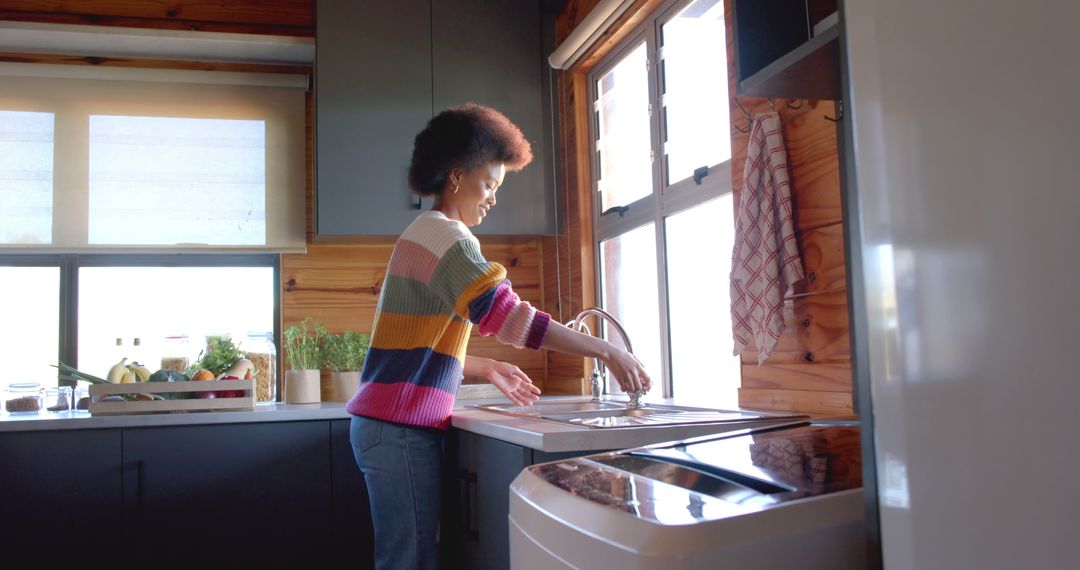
<point>25,385</point>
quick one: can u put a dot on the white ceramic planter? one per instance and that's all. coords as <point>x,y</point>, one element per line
<point>340,386</point>
<point>302,387</point>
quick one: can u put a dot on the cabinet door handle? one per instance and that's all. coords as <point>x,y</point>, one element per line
<point>140,478</point>
<point>472,508</point>
<point>134,484</point>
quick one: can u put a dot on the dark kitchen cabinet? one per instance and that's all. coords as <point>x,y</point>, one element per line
<point>62,487</point>
<point>477,477</point>
<point>372,95</point>
<point>353,534</point>
<point>384,67</point>
<point>778,53</point>
<point>261,490</point>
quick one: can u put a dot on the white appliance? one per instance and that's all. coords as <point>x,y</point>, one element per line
<point>965,117</point>
<point>762,498</point>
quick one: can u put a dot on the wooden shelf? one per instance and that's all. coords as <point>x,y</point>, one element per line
<point>810,71</point>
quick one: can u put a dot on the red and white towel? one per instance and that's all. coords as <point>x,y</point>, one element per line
<point>765,262</point>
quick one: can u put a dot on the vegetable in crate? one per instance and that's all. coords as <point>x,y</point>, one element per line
<point>220,354</point>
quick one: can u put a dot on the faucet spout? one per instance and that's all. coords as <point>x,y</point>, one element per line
<point>578,324</point>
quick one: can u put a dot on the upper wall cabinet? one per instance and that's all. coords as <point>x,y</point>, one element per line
<point>787,48</point>
<point>372,95</point>
<point>384,67</point>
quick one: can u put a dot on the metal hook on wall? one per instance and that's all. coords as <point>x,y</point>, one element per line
<point>749,118</point>
<point>839,113</point>
<point>742,109</point>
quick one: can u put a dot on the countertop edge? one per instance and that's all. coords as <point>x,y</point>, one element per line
<point>54,421</point>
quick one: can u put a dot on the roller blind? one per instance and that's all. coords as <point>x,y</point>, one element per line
<point>117,159</point>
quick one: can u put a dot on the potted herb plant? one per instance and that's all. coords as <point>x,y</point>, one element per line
<point>344,356</point>
<point>303,345</point>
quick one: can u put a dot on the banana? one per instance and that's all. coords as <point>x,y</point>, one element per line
<point>128,377</point>
<point>116,373</point>
<point>142,373</point>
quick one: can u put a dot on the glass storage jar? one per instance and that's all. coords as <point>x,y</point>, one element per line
<point>58,399</point>
<point>80,401</point>
<point>176,353</point>
<point>23,398</point>
<point>260,350</point>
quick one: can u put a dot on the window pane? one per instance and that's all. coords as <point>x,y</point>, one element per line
<point>30,311</point>
<point>623,120</point>
<point>152,303</point>
<point>26,177</point>
<point>165,181</point>
<point>628,269</point>
<point>695,89</point>
<point>702,366</point>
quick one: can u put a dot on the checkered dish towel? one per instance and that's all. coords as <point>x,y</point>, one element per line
<point>765,262</point>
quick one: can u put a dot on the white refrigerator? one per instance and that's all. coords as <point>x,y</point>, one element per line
<point>963,118</point>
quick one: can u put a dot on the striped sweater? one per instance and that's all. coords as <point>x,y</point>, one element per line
<point>438,285</point>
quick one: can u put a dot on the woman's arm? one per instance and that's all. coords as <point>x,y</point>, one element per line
<point>509,379</point>
<point>628,370</point>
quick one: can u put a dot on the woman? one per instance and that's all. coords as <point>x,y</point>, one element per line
<point>437,287</point>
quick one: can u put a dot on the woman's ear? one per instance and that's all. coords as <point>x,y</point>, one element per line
<point>455,176</point>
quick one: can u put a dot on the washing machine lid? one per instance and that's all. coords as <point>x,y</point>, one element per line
<point>713,478</point>
<point>785,463</point>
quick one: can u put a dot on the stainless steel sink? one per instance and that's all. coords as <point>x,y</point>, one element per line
<point>541,408</point>
<point>609,414</point>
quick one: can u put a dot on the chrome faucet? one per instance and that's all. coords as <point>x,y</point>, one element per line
<point>578,324</point>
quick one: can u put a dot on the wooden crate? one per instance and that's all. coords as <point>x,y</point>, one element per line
<point>245,402</point>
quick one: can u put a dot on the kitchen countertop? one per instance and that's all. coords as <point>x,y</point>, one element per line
<point>81,419</point>
<point>533,433</point>
<point>549,436</point>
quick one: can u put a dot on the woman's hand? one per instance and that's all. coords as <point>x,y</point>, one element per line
<point>509,379</point>
<point>628,370</point>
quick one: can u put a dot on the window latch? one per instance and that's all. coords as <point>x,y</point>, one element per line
<point>700,173</point>
<point>621,210</point>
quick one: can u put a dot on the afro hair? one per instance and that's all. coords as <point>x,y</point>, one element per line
<point>465,137</point>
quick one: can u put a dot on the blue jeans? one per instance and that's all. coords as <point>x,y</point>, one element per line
<point>402,468</point>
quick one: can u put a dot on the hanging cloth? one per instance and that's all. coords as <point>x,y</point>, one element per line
<point>765,263</point>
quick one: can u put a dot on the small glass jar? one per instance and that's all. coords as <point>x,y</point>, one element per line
<point>23,398</point>
<point>260,350</point>
<point>58,399</point>
<point>80,402</point>
<point>176,353</point>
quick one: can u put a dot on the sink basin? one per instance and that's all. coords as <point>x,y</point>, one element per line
<point>541,408</point>
<point>654,416</point>
<point>609,414</point>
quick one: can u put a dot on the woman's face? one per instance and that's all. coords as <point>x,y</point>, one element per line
<point>476,191</point>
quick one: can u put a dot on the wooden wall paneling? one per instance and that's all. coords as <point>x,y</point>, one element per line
<point>796,401</point>
<point>822,251</point>
<point>275,17</point>
<point>809,370</point>
<point>814,377</point>
<point>816,330</point>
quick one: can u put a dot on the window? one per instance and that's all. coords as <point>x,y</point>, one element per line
<point>74,308</point>
<point>147,160</point>
<point>30,313</point>
<point>664,225</point>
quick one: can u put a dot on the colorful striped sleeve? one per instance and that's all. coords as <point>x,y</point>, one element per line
<point>477,290</point>
<point>513,321</point>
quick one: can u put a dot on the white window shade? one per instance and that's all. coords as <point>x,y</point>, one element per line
<point>150,160</point>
